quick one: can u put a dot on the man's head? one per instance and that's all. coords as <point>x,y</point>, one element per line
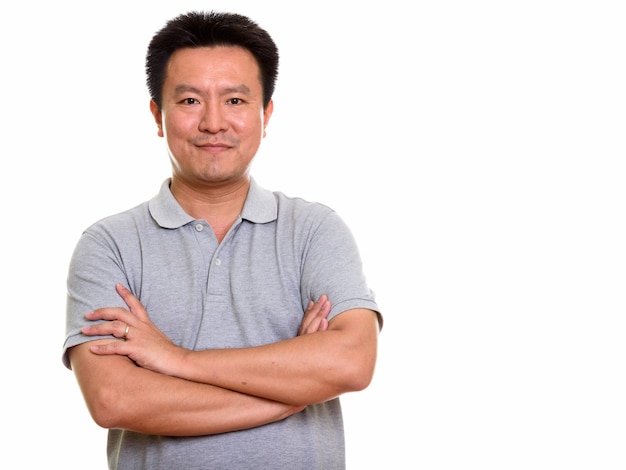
<point>211,78</point>
<point>208,29</point>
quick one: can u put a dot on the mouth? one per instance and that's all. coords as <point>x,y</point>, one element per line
<point>213,147</point>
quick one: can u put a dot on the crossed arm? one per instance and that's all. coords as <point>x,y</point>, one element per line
<point>148,384</point>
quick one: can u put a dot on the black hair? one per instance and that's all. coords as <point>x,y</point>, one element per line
<point>208,29</point>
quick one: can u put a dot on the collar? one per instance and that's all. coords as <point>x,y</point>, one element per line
<point>260,207</point>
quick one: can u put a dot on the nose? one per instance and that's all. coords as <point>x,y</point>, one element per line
<point>213,119</point>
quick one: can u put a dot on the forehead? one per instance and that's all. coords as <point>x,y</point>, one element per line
<point>212,65</point>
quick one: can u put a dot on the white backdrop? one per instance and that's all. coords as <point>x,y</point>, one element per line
<point>475,148</point>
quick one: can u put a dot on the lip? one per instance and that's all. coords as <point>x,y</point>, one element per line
<point>214,146</point>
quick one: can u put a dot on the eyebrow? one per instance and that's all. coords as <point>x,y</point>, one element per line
<point>183,88</point>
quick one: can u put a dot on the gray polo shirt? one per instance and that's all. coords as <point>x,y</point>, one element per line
<point>250,289</point>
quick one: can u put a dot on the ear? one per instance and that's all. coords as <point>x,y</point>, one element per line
<point>158,116</point>
<point>267,114</point>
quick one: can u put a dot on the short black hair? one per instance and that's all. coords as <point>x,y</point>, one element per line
<point>208,29</point>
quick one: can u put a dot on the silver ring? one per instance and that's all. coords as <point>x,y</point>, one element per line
<point>126,331</point>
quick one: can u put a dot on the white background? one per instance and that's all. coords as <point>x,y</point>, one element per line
<point>475,148</point>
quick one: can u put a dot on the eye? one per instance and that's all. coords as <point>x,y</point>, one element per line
<point>235,101</point>
<point>190,101</point>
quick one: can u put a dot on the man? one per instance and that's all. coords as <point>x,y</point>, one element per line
<point>216,325</point>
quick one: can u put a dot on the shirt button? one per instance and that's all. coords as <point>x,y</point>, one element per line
<point>218,262</point>
<point>199,227</point>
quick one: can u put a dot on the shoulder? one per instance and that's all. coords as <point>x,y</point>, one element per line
<point>159,210</point>
<point>310,216</point>
<point>264,205</point>
<point>121,222</point>
<point>299,205</point>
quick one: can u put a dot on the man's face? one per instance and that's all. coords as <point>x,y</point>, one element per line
<point>212,114</point>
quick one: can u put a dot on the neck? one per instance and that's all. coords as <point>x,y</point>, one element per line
<point>219,205</point>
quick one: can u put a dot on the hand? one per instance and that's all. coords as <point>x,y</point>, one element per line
<point>143,342</point>
<point>315,316</point>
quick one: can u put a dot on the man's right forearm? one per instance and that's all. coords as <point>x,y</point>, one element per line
<point>121,395</point>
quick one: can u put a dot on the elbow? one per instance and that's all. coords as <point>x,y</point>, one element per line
<point>361,379</point>
<point>338,380</point>
<point>355,358</point>
<point>357,375</point>
<point>361,382</point>
<point>104,409</point>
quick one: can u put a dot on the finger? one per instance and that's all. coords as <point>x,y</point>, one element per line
<point>110,314</point>
<point>318,324</point>
<point>114,328</point>
<point>315,318</point>
<point>309,316</point>
<point>105,349</point>
<point>318,307</point>
<point>133,302</point>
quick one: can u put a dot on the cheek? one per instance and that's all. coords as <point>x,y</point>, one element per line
<point>175,131</point>
<point>249,127</point>
<point>180,122</point>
